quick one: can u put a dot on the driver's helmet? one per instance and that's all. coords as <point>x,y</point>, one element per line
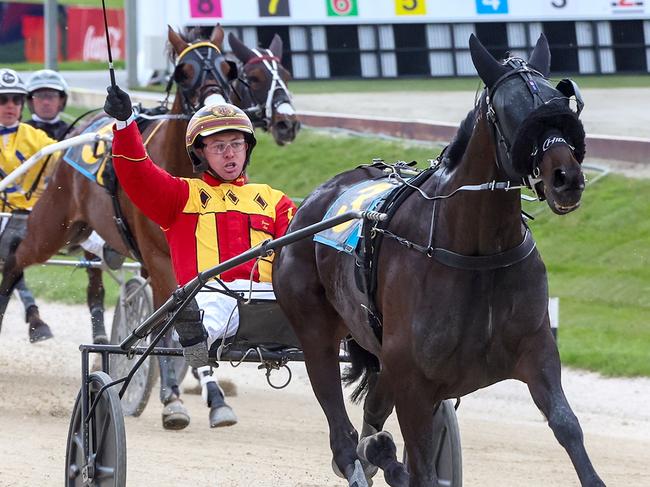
<point>10,82</point>
<point>47,78</point>
<point>214,119</point>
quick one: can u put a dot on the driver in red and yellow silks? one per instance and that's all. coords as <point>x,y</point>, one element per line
<point>208,220</point>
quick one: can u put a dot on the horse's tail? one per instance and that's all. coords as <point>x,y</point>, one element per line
<point>363,365</point>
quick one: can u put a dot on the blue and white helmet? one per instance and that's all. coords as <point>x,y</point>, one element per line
<point>10,82</point>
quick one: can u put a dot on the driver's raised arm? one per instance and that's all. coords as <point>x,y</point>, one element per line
<point>158,194</point>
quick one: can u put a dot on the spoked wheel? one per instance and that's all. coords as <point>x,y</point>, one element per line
<point>134,305</point>
<point>107,440</point>
<point>447,452</point>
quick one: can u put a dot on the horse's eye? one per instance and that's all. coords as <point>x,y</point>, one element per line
<point>179,74</point>
<point>254,79</point>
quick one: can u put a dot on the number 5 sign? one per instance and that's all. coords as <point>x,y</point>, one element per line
<point>410,7</point>
<point>205,8</point>
<point>342,8</point>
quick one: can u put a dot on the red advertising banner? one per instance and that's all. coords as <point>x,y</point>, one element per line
<point>86,38</point>
<point>33,29</point>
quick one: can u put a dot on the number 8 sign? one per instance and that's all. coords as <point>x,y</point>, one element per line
<point>205,8</point>
<point>342,8</point>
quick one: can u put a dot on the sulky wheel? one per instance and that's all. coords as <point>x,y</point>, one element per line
<point>449,464</point>
<point>106,440</point>
<point>134,305</point>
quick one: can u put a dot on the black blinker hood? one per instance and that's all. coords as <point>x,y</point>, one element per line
<point>543,118</point>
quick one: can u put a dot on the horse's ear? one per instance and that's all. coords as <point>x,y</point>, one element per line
<point>276,46</point>
<point>217,36</point>
<point>229,68</point>
<point>242,52</point>
<point>540,59</point>
<point>488,68</point>
<point>175,40</point>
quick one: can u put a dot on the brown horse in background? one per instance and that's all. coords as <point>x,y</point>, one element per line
<point>71,205</point>
<point>460,292</point>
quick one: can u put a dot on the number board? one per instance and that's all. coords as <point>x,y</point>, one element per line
<point>491,7</point>
<point>410,7</point>
<point>332,12</point>
<point>205,8</point>
<point>274,8</point>
<point>342,8</point>
<point>628,6</point>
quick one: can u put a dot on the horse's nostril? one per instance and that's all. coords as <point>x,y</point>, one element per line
<point>283,126</point>
<point>559,178</point>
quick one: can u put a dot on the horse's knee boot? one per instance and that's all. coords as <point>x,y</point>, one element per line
<point>37,328</point>
<point>97,322</point>
<point>220,413</point>
<point>168,381</point>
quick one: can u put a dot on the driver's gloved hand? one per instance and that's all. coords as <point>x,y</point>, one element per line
<point>192,335</point>
<point>118,103</point>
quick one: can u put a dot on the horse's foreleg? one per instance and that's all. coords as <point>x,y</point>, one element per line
<point>376,447</point>
<point>321,351</point>
<point>10,277</point>
<point>539,367</point>
<point>95,298</point>
<point>415,411</point>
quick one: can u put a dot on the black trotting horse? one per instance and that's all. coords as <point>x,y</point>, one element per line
<point>457,291</point>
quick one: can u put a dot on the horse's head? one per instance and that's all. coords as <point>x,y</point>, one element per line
<point>265,82</point>
<point>539,138</point>
<point>201,70</point>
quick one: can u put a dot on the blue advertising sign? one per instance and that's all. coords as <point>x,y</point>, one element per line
<point>491,7</point>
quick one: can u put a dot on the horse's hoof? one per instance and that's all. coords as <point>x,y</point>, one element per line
<point>373,446</point>
<point>358,477</point>
<point>222,416</point>
<point>39,332</point>
<point>100,337</point>
<point>354,480</point>
<point>175,415</point>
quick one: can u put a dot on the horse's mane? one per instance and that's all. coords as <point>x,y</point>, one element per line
<point>458,145</point>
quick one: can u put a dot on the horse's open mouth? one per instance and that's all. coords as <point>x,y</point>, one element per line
<point>565,209</point>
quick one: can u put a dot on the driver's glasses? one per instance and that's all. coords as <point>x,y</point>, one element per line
<point>221,147</point>
<point>15,99</point>
<point>46,94</point>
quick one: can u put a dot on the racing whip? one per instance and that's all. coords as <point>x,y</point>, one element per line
<point>108,46</point>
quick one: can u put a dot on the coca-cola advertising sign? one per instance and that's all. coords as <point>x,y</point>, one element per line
<point>86,37</point>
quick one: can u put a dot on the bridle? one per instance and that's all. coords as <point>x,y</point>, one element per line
<point>566,89</point>
<point>261,112</point>
<point>205,59</point>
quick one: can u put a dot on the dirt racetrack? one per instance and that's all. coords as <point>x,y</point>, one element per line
<point>603,112</point>
<point>281,439</point>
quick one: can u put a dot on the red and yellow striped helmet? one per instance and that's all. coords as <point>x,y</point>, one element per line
<point>214,119</point>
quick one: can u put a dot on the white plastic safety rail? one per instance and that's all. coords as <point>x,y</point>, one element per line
<point>51,149</point>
